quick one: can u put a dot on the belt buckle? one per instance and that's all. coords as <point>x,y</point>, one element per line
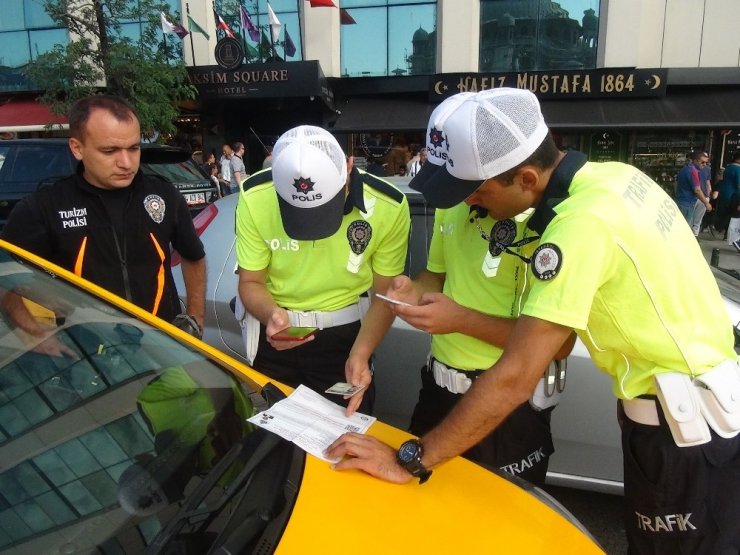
<point>306,319</point>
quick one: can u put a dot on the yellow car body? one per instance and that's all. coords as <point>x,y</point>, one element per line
<point>463,508</point>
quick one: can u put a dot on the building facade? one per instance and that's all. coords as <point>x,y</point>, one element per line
<point>642,82</point>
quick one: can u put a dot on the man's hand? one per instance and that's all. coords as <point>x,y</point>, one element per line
<point>357,372</point>
<point>368,454</point>
<point>278,322</point>
<point>402,289</point>
<point>436,314</point>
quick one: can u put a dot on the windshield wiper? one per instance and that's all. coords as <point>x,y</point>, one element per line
<point>260,443</point>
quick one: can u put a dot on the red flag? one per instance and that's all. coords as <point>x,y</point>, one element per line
<point>345,18</point>
<point>322,4</point>
<point>221,24</point>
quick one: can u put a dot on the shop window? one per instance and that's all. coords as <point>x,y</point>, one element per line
<point>539,35</point>
<point>382,38</point>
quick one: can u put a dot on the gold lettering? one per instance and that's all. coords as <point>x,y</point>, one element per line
<point>283,74</point>
<point>484,84</point>
<point>521,81</point>
<point>274,75</point>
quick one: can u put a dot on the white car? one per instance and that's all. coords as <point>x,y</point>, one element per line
<point>588,452</point>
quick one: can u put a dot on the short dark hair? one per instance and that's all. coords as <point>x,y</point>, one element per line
<point>697,155</point>
<point>237,146</point>
<point>544,157</point>
<point>80,111</point>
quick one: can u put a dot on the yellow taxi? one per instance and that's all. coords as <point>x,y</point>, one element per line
<point>119,433</point>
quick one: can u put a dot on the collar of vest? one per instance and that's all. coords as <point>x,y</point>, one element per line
<point>356,193</point>
<point>556,190</point>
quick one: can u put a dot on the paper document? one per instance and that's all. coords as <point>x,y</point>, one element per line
<point>310,421</point>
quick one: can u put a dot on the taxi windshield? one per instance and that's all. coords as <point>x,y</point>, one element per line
<point>108,425</point>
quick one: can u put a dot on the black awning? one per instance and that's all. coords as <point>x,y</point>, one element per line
<point>382,114</point>
<point>687,108</point>
<point>678,109</point>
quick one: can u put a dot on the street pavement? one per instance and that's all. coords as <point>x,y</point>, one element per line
<point>728,258</point>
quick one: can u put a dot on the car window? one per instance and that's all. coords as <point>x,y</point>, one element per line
<point>37,163</point>
<point>123,425</point>
<point>182,172</point>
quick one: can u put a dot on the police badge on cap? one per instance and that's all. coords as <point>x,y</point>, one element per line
<point>546,261</point>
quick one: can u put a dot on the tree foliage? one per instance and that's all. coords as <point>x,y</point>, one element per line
<point>148,72</point>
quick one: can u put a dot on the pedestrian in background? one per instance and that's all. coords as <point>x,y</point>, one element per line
<point>238,170</point>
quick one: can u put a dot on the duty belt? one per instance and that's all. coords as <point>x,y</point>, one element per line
<point>452,379</point>
<point>545,395</point>
<point>325,318</point>
<point>691,406</point>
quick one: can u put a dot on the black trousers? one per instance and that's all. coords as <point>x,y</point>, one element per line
<point>680,500</point>
<point>521,445</point>
<point>318,364</point>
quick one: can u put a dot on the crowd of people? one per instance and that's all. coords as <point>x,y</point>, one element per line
<point>709,204</point>
<point>531,247</point>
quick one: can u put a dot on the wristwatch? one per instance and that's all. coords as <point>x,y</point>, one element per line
<point>409,457</point>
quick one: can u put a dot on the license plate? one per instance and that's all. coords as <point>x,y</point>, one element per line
<point>195,198</point>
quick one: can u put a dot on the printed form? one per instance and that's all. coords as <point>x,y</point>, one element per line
<point>310,421</point>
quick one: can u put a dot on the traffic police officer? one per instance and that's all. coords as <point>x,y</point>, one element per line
<point>617,264</point>
<point>472,291</point>
<point>314,234</point>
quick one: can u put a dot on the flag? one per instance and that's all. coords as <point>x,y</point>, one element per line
<point>274,23</point>
<point>265,46</point>
<point>252,52</point>
<point>345,18</point>
<point>289,46</point>
<point>322,4</point>
<point>247,24</point>
<point>197,28</point>
<point>172,28</point>
<point>221,24</point>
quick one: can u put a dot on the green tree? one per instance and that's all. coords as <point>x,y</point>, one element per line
<point>148,72</point>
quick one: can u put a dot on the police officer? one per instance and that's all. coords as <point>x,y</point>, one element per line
<point>609,237</point>
<point>111,224</point>
<point>314,234</point>
<point>472,290</point>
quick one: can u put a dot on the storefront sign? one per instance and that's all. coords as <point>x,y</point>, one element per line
<point>275,79</point>
<point>730,145</point>
<point>605,147</point>
<point>595,83</point>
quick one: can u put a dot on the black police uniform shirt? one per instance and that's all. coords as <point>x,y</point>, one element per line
<point>118,239</point>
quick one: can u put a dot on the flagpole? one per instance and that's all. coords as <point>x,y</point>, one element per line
<point>166,55</point>
<point>257,11</point>
<point>244,38</point>
<point>192,46</point>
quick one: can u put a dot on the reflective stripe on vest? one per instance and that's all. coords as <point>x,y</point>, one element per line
<point>80,258</point>
<point>160,275</point>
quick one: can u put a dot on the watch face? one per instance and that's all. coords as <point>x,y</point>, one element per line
<point>408,451</point>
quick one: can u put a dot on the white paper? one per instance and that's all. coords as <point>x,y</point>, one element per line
<point>311,421</point>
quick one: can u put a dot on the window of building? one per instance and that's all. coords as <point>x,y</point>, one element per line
<point>538,35</point>
<point>26,31</point>
<point>263,47</point>
<point>388,37</point>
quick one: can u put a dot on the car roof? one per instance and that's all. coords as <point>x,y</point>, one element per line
<point>150,153</point>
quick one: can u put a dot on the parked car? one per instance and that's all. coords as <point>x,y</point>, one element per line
<point>136,442</point>
<point>588,453</point>
<point>27,164</point>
